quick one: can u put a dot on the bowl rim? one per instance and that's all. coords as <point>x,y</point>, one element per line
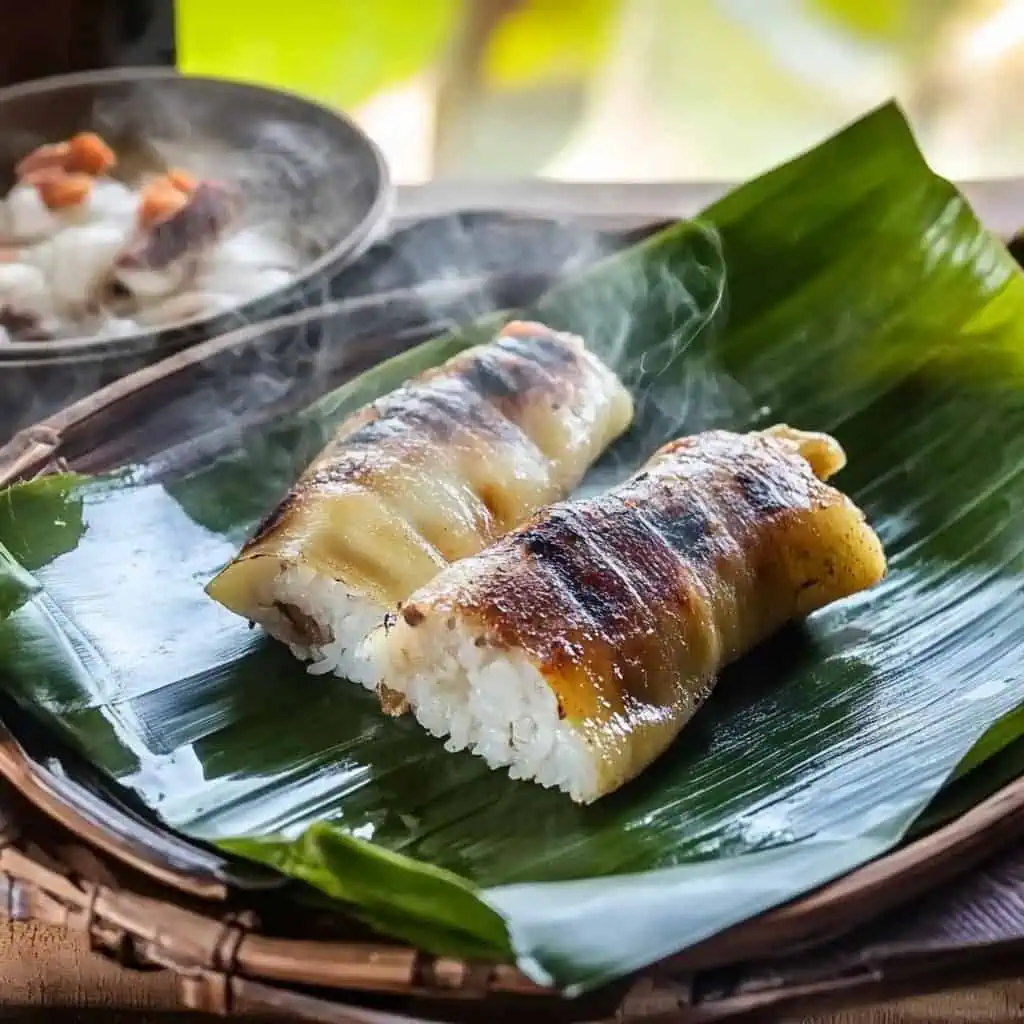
<point>371,225</point>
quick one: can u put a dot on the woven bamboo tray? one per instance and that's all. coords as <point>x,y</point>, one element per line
<point>944,911</point>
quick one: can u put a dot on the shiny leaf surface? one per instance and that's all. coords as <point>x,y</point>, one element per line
<point>850,290</point>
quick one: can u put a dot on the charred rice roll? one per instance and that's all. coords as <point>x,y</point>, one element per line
<point>428,474</point>
<point>574,650</point>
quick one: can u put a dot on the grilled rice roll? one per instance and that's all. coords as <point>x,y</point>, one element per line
<point>575,649</point>
<point>430,473</point>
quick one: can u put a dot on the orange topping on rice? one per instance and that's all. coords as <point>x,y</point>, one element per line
<point>183,181</point>
<point>88,153</point>
<point>60,192</point>
<point>158,201</point>
<point>51,157</point>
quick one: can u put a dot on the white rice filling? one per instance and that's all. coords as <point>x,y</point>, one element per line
<point>494,703</point>
<point>342,615</point>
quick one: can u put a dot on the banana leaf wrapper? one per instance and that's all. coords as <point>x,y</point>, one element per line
<point>850,291</point>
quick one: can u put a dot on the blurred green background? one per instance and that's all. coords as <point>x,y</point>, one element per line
<point>630,89</point>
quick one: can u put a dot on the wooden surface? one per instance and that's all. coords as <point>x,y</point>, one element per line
<point>40,967</point>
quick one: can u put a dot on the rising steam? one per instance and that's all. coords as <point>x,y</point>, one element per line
<point>655,319</point>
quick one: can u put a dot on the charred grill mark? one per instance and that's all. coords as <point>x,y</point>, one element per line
<point>686,530</point>
<point>466,407</point>
<point>437,412</point>
<point>419,411</point>
<point>758,492</point>
<point>499,375</point>
<point>496,419</point>
<point>439,409</point>
<point>423,414</point>
<point>556,544</point>
<point>490,378</point>
<point>347,467</point>
<point>616,585</point>
<point>584,547</point>
<point>349,427</point>
<point>376,432</point>
<point>546,351</point>
<point>270,522</point>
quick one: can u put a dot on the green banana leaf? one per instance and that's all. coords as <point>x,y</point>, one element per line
<point>851,290</point>
<point>992,763</point>
<point>16,584</point>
